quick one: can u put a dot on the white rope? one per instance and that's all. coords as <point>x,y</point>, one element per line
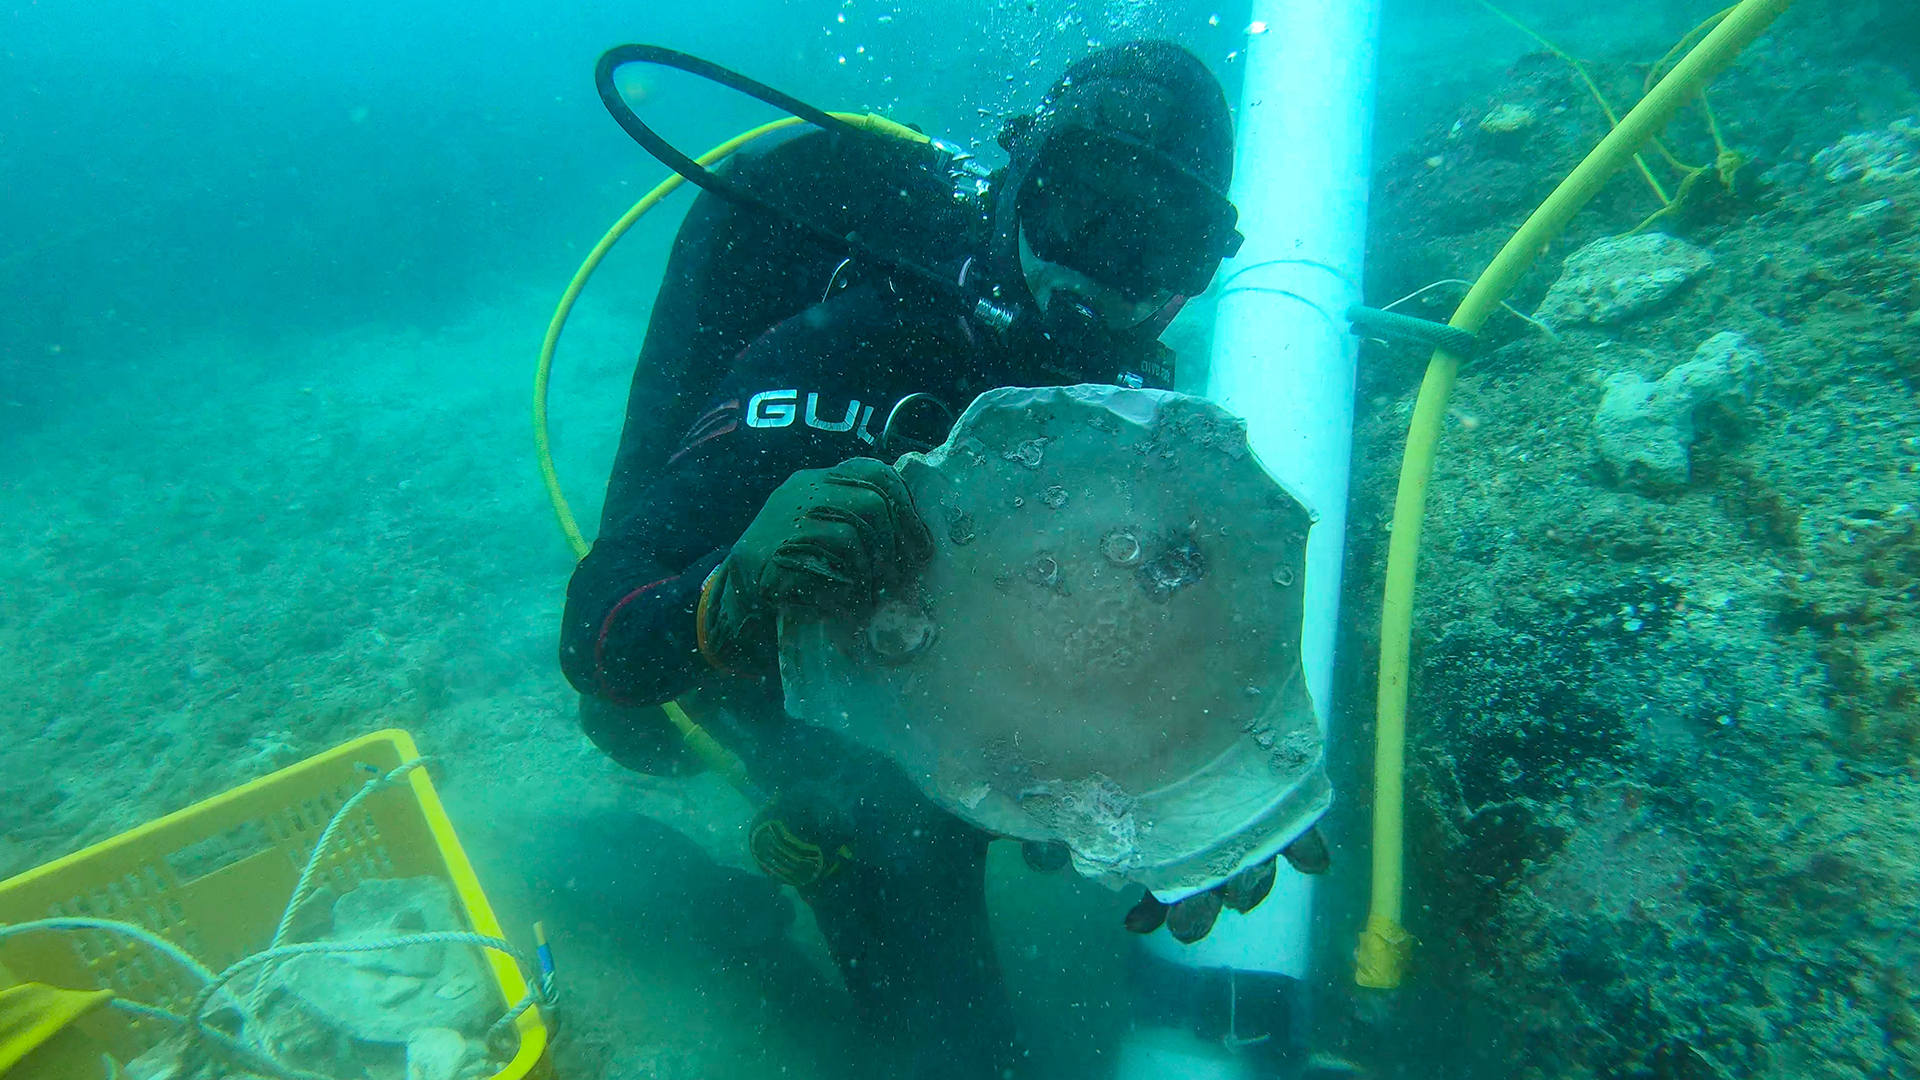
<point>501,1027</point>
<point>260,1059</point>
<point>139,933</point>
<point>303,887</point>
<point>1552,335</point>
<point>239,1054</point>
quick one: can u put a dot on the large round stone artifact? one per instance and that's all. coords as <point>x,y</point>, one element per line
<point>1105,647</point>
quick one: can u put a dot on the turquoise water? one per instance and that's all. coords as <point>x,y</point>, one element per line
<point>274,279</point>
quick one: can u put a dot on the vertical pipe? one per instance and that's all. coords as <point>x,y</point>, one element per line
<point>1282,355</point>
<point>1283,359</point>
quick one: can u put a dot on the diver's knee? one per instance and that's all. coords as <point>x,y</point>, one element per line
<point>639,737</point>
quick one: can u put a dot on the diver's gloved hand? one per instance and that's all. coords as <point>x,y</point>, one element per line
<point>800,837</point>
<point>828,539</point>
<point>1191,919</point>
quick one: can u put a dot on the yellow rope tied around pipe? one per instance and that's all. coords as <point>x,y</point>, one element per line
<point>1385,945</point>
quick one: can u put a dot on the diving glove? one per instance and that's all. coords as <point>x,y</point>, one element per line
<point>827,539</point>
<point>800,837</point>
<point>1191,919</point>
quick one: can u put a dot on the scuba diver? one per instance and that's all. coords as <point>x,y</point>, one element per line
<point>780,366</point>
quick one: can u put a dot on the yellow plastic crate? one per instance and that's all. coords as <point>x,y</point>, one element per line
<point>214,878</point>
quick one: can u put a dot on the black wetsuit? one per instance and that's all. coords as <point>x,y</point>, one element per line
<point>765,355</point>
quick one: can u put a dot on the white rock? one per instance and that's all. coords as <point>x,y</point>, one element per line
<point>1617,277</point>
<point>1643,431</point>
<point>1893,151</point>
<point>438,1054</point>
<point>387,995</point>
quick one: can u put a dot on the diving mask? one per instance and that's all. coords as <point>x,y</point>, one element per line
<point>1125,214</point>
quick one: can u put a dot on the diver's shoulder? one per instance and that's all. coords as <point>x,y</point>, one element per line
<point>899,194</point>
<point>860,160</point>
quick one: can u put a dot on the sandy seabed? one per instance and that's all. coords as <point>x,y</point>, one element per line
<point>232,558</point>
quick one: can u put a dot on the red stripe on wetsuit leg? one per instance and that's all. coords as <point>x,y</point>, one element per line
<point>600,643</point>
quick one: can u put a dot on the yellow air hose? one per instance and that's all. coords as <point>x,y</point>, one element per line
<point>711,753</point>
<point>1385,945</point>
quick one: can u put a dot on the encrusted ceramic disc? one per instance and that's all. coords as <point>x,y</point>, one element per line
<point>1105,649</point>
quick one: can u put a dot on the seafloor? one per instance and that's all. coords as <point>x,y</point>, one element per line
<point>1662,769</point>
<point>1663,817</point>
<point>237,557</point>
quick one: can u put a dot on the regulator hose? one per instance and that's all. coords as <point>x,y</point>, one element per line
<point>695,173</point>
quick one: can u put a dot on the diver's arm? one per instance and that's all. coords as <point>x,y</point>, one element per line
<point>632,643</point>
<point>628,600</point>
<point>628,634</point>
<point>629,630</point>
<point>802,396</point>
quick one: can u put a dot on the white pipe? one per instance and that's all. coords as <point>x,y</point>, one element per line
<point>1282,355</point>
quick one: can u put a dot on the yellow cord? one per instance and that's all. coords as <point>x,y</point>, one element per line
<point>1385,945</point>
<point>715,757</point>
<point>1613,120</point>
<point>543,374</point>
<point>543,443</point>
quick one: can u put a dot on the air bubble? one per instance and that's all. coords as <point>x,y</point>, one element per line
<point>899,632</point>
<point>1044,572</point>
<point>1121,547</point>
<point>1028,453</point>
